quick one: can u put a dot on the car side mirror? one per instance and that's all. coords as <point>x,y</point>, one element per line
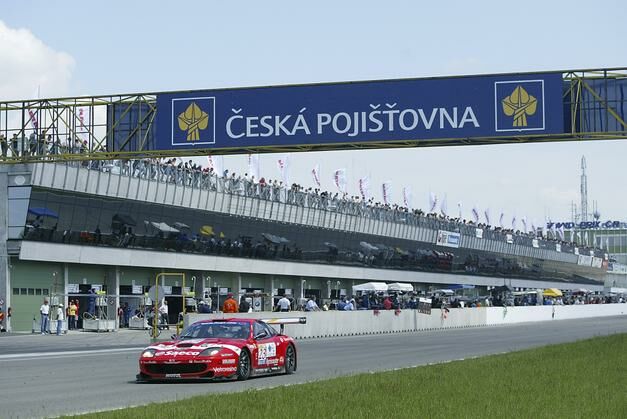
<point>261,335</point>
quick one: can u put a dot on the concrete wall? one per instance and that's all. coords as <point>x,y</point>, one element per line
<point>344,323</point>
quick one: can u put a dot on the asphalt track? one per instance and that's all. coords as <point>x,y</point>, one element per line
<point>47,376</point>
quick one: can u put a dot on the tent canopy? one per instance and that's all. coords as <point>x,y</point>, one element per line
<point>444,291</point>
<point>371,286</point>
<point>552,292</point>
<point>399,286</point>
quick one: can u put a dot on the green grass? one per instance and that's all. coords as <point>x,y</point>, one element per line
<point>586,379</point>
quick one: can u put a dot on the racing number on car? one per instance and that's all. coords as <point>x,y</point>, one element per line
<point>265,351</point>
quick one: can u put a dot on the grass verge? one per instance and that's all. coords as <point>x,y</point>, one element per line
<point>585,379</point>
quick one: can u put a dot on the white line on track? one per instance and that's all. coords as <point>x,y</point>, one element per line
<point>65,354</point>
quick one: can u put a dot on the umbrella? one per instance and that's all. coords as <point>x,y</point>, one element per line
<point>272,238</point>
<point>331,245</point>
<point>163,227</point>
<point>124,219</point>
<point>368,246</point>
<point>43,212</point>
<point>181,226</point>
<point>206,230</point>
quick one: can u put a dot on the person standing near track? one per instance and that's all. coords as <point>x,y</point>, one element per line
<point>230,305</point>
<point>71,315</point>
<point>284,304</point>
<point>59,319</point>
<point>44,311</point>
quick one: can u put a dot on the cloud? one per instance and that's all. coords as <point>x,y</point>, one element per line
<point>27,64</point>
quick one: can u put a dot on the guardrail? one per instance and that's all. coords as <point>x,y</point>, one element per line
<point>321,324</point>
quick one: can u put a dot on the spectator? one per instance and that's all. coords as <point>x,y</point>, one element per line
<point>244,306</point>
<point>44,311</point>
<point>59,319</point>
<point>311,305</point>
<point>284,304</point>
<point>230,305</point>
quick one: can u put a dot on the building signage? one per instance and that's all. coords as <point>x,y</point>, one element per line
<point>390,110</point>
<point>585,225</point>
<point>448,238</point>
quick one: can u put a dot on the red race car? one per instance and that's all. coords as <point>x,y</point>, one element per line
<point>228,348</point>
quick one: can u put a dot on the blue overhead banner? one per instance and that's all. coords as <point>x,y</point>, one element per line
<point>392,110</point>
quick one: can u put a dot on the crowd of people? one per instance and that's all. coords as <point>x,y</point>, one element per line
<point>189,173</point>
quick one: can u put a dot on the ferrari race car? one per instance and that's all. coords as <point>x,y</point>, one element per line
<point>227,348</point>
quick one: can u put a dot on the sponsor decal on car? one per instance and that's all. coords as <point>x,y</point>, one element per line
<point>228,361</point>
<point>225,369</point>
<point>177,353</point>
<point>173,376</point>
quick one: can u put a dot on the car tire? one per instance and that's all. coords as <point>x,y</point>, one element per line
<point>290,360</point>
<point>244,365</point>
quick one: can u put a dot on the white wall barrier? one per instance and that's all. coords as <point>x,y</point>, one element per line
<point>367,322</point>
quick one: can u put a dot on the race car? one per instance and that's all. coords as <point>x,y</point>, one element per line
<point>227,348</point>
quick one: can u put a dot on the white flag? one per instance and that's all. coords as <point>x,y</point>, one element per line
<point>433,202</point>
<point>253,165</point>
<point>459,209</point>
<point>553,230</point>
<point>444,206</point>
<point>486,214</point>
<point>475,214</point>
<point>407,197</point>
<point>315,173</point>
<point>217,164</point>
<point>284,168</point>
<point>83,123</point>
<point>560,232</point>
<point>514,223</point>
<point>364,187</point>
<point>386,188</point>
<point>339,179</point>
<point>524,223</point>
<point>501,217</point>
<point>533,227</point>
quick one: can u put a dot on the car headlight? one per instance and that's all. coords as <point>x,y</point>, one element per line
<point>210,351</point>
<point>148,353</point>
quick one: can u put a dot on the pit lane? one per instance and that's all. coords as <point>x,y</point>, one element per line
<point>44,376</point>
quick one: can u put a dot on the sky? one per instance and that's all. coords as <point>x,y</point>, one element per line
<point>88,48</point>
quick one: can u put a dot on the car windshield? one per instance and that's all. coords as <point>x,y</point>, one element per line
<point>226,330</point>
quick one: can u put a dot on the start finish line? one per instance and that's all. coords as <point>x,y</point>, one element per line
<point>465,110</point>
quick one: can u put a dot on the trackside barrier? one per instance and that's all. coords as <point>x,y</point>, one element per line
<point>349,323</point>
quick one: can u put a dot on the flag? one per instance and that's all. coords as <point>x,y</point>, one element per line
<point>433,202</point>
<point>560,232</point>
<point>501,217</point>
<point>315,173</point>
<point>253,165</point>
<point>553,231</point>
<point>83,123</point>
<point>524,223</point>
<point>514,223</point>
<point>486,214</point>
<point>217,164</point>
<point>533,227</point>
<point>284,168</point>
<point>386,187</point>
<point>459,209</point>
<point>407,197</point>
<point>444,206</point>
<point>339,179</point>
<point>364,187</point>
<point>475,214</point>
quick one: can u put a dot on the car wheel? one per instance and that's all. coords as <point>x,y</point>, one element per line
<point>243,365</point>
<point>290,360</point>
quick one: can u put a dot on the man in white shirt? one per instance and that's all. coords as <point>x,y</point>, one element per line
<point>163,311</point>
<point>44,310</point>
<point>311,305</point>
<point>59,319</point>
<point>284,304</point>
